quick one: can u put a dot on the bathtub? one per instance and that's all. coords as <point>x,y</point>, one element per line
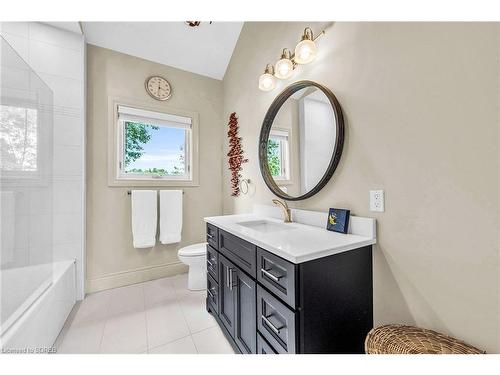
<point>36,302</point>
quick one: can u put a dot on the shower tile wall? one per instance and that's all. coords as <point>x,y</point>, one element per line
<point>58,57</point>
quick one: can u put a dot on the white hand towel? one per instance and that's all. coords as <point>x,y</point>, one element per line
<point>170,216</point>
<point>144,218</point>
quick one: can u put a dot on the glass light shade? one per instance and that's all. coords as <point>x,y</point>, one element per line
<point>267,82</point>
<point>283,69</point>
<point>305,52</point>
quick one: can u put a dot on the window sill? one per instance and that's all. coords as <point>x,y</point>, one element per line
<point>283,182</point>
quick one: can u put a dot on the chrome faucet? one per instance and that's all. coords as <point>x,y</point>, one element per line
<point>286,210</point>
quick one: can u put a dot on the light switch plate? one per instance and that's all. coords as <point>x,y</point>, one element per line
<point>377,203</point>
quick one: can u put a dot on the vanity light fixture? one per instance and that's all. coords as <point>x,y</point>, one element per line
<point>305,52</point>
<point>283,69</point>
<point>267,81</point>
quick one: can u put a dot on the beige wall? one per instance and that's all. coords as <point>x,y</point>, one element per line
<point>111,259</point>
<point>421,107</point>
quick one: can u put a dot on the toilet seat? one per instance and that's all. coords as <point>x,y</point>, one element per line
<point>195,250</point>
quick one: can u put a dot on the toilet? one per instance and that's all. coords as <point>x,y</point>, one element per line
<point>195,256</point>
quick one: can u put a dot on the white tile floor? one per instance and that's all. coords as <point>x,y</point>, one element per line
<point>159,316</point>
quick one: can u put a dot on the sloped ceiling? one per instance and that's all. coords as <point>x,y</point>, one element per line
<point>204,50</point>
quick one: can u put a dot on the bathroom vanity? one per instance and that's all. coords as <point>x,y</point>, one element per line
<point>277,287</point>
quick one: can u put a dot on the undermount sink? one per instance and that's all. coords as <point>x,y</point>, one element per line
<point>265,226</point>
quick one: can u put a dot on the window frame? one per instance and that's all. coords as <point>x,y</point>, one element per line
<point>284,138</point>
<point>116,139</point>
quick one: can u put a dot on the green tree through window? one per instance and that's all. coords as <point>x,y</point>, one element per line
<point>274,157</point>
<point>142,154</point>
<point>136,135</point>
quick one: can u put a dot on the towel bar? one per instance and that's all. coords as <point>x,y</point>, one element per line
<point>129,192</point>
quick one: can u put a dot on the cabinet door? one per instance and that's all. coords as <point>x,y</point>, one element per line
<point>227,294</point>
<point>245,330</point>
<point>213,294</point>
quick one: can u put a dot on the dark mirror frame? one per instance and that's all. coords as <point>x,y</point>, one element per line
<point>266,129</point>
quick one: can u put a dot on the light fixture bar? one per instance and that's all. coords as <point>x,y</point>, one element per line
<point>284,67</point>
<point>323,32</point>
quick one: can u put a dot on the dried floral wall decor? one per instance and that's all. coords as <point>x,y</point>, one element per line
<point>235,154</point>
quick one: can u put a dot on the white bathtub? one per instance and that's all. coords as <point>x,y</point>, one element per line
<point>36,304</point>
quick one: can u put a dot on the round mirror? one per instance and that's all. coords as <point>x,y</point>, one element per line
<point>301,140</point>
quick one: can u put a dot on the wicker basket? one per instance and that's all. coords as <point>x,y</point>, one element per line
<point>401,339</point>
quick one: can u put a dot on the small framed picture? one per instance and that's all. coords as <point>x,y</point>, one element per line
<point>338,220</point>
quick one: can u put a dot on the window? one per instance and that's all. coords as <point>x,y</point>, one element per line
<point>278,154</point>
<point>18,141</point>
<point>153,145</point>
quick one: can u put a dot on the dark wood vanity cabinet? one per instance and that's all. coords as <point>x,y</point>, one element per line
<point>227,294</point>
<point>236,312</point>
<point>268,305</point>
<point>244,316</point>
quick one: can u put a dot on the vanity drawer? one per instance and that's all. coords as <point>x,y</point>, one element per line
<point>276,322</point>
<point>240,252</point>
<point>263,347</point>
<point>277,275</point>
<point>213,262</point>
<point>213,236</point>
<point>213,293</point>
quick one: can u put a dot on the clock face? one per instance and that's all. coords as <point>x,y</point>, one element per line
<point>158,87</point>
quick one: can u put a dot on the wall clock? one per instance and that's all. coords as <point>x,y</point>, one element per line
<point>158,88</point>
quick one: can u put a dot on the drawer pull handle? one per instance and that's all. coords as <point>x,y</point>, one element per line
<point>270,275</point>
<point>271,325</point>
<point>210,263</point>
<point>210,236</point>
<point>231,278</point>
<point>210,293</point>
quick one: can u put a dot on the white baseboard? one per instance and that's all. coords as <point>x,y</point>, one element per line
<point>138,275</point>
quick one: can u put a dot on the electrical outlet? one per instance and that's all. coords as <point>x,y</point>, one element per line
<point>377,200</point>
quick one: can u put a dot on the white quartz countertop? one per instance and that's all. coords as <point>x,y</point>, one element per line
<point>294,242</point>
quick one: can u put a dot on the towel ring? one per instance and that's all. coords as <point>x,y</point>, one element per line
<point>244,182</point>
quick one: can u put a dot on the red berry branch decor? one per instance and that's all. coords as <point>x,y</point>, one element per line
<point>235,154</point>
